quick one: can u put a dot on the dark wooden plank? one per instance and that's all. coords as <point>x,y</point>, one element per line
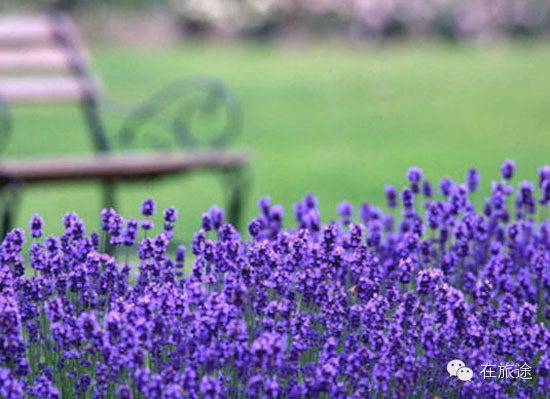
<point>19,30</point>
<point>125,166</point>
<point>45,89</point>
<point>33,59</point>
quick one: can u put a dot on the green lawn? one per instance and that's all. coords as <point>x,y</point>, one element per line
<point>337,121</point>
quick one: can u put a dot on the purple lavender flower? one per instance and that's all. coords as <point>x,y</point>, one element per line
<point>44,388</point>
<point>507,169</point>
<point>428,280</point>
<point>264,204</point>
<point>545,189</point>
<point>35,226</point>
<point>148,207</point>
<point>427,189</point>
<point>268,350</point>
<point>216,216</point>
<point>407,197</point>
<point>206,222</point>
<point>180,256</point>
<point>170,215</point>
<point>472,180</point>
<point>116,229</point>
<point>345,209</point>
<point>414,174</point>
<point>525,196</point>
<point>544,174</point>
<point>255,228</point>
<point>130,233</point>
<point>125,392</point>
<point>391,196</point>
<point>10,387</point>
<point>106,215</point>
<point>211,388</point>
<point>445,185</point>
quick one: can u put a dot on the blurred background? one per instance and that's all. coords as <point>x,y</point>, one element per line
<point>339,96</point>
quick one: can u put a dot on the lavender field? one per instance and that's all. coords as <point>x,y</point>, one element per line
<point>378,304</point>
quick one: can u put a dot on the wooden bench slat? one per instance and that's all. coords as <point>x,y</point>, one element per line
<point>50,59</point>
<point>118,166</point>
<point>45,90</point>
<point>17,30</point>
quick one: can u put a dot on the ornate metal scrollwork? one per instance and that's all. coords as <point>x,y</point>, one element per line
<point>178,113</point>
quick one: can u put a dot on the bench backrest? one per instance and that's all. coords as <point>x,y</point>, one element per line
<point>42,61</point>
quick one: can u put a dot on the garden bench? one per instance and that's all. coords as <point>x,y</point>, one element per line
<point>42,62</point>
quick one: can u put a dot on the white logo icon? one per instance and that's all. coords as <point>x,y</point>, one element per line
<point>453,366</point>
<point>457,368</point>
<point>464,374</point>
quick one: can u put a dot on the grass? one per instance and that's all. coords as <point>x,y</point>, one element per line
<point>337,121</point>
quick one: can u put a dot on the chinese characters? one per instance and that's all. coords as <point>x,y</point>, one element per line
<point>507,371</point>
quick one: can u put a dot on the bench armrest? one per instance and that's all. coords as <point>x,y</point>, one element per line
<point>194,112</point>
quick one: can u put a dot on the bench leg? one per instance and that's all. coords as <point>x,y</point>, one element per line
<point>238,183</point>
<point>10,196</point>
<point>108,194</point>
<point>97,130</point>
<point>7,222</point>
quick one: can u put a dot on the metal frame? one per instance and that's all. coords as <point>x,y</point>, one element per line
<point>188,98</point>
